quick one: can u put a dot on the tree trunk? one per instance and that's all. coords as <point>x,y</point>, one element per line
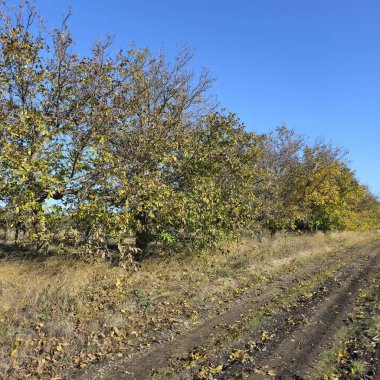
<point>142,241</point>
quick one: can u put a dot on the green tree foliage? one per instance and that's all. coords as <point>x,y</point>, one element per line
<point>310,187</point>
<point>100,149</point>
<point>279,190</point>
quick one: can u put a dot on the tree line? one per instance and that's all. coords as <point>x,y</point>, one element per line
<point>100,148</point>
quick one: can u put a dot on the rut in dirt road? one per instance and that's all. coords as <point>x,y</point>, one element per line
<point>296,355</point>
<point>291,355</point>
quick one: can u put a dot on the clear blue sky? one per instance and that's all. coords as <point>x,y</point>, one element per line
<point>313,65</point>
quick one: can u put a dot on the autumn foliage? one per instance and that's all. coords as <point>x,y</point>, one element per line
<point>113,153</point>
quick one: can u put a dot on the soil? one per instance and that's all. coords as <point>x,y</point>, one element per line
<point>296,353</point>
<point>294,348</point>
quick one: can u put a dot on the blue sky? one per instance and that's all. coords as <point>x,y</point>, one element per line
<point>312,65</point>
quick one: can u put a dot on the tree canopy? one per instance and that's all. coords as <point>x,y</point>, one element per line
<point>97,149</point>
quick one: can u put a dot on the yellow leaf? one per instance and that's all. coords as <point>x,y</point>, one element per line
<point>116,331</point>
<point>217,369</point>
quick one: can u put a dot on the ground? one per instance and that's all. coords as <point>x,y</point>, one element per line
<point>291,307</point>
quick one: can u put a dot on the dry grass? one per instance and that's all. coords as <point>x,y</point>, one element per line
<point>59,313</point>
<point>27,283</point>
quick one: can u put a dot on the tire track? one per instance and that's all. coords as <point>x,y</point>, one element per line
<point>295,356</point>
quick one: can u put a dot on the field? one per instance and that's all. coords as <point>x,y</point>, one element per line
<point>302,306</point>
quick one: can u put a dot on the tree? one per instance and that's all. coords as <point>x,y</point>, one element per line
<point>113,146</point>
<point>279,190</point>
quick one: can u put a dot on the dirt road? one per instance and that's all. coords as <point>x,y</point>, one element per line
<point>279,332</point>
